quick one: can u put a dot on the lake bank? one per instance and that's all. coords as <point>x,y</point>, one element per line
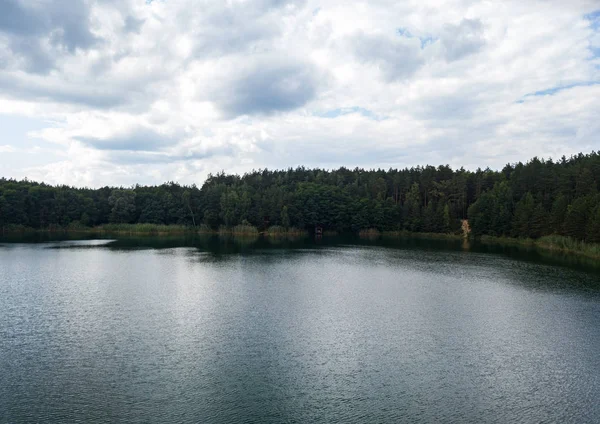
<point>550,243</point>
<point>557,244</point>
<point>156,230</point>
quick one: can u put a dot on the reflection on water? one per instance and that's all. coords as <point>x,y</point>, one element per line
<point>223,245</point>
<point>205,329</point>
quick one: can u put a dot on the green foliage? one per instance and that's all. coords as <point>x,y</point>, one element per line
<point>550,198</point>
<point>41,206</point>
<point>279,231</point>
<point>575,224</point>
<point>242,229</point>
<point>446,220</point>
<point>569,244</point>
<point>370,233</point>
<point>593,230</point>
<point>123,206</point>
<point>143,228</point>
<point>77,226</point>
<point>523,216</point>
<point>204,229</point>
<point>534,199</point>
<point>412,209</point>
<point>550,242</point>
<point>492,213</point>
<point>411,235</point>
<point>560,207</point>
<point>285,218</point>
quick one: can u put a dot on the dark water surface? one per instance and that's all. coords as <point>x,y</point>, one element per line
<point>171,330</point>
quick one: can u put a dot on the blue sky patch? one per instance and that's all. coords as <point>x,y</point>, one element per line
<point>404,32</point>
<point>594,19</point>
<point>554,90</point>
<point>15,130</point>
<point>425,40</point>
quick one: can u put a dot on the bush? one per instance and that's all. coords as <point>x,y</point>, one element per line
<point>369,233</point>
<point>277,231</point>
<point>569,244</point>
<point>204,229</point>
<point>144,228</point>
<point>244,230</point>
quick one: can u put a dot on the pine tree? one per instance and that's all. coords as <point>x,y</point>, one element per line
<point>285,219</point>
<point>523,215</point>
<point>480,215</point>
<point>502,216</point>
<point>446,221</point>
<point>123,206</point>
<point>576,219</point>
<point>593,230</point>
<point>539,220</point>
<point>412,209</point>
<point>558,214</point>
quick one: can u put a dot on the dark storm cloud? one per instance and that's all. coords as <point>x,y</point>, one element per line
<point>36,58</point>
<point>397,58</point>
<point>35,28</point>
<point>125,157</point>
<point>268,88</point>
<point>17,18</point>
<point>66,24</point>
<point>139,139</point>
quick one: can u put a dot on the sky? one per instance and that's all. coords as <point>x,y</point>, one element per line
<point>119,92</point>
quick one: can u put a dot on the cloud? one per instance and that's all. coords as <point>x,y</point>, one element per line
<point>136,139</point>
<point>267,87</point>
<point>132,24</point>
<point>7,149</point>
<point>335,113</point>
<point>593,20</point>
<point>463,39</point>
<point>36,58</point>
<point>37,89</point>
<point>36,31</point>
<point>120,92</point>
<point>398,58</point>
<point>235,26</point>
<point>167,157</point>
<point>19,18</point>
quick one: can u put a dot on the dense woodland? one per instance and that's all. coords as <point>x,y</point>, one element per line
<point>534,199</point>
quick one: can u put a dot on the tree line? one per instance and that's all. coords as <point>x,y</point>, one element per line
<point>540,197</point>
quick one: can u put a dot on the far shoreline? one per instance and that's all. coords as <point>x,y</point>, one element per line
<point>554,243</point>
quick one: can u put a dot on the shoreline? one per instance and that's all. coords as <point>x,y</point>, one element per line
<point>162,230</point>
<point>557,244</point>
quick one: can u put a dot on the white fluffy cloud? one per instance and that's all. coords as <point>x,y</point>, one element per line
<point>133,91</point>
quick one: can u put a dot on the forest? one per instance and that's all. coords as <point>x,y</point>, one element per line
<point>533,199</point>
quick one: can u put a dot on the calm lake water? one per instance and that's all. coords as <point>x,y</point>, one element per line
<point>170,330</point>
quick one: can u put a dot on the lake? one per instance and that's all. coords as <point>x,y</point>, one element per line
<point>186,330</point>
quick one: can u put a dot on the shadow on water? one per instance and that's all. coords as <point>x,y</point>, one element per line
<point>45,237</point>
<point>220,246</point>
<point>517,252</point>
